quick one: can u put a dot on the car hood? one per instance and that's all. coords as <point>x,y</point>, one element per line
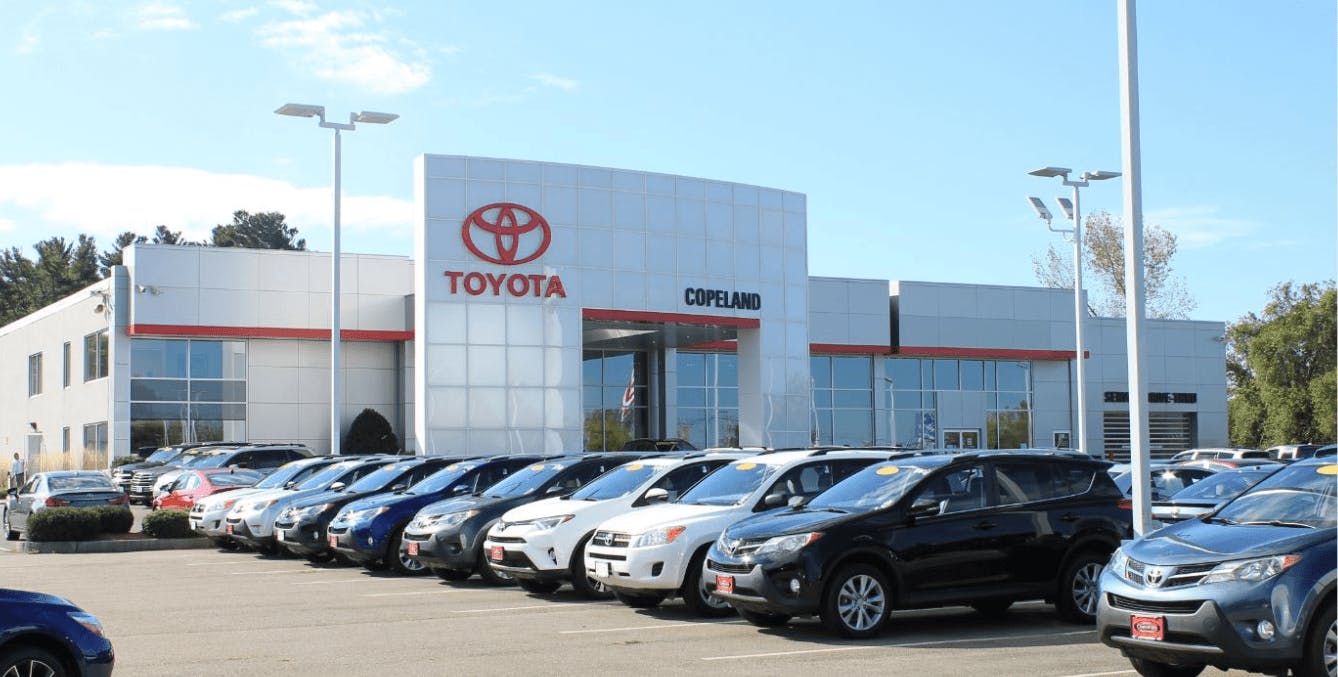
<point>378,500</point>
<point>25,597</point>
<point>783,521</point>
<point>546,508</point>
<point>650,517</point>
<point>1194,541</point>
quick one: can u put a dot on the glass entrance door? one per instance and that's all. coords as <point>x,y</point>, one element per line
<point>961,439</point>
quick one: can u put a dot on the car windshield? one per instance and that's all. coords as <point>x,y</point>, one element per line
<point>1165,482</point>
<point>873,487</point>
<point>195,460</point>
<point>380,479</point>
<point>442,479</point>
<point>213,461</point>
<point>240,478</point>
<point>285,474</point>
<point>1296,496</point>
<point>524,481</point>
<point>1219,487</point>
<point>327,475</point>
<point>619,481</point>
<point>80,482</point>
<point>161,456</point>
<point>730,485</point>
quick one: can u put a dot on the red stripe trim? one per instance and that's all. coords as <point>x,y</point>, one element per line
<point>266,332</point>
<point>843,349</point>
<point>718,346</point>
<point>1000,353</point>
<point>669,318</point>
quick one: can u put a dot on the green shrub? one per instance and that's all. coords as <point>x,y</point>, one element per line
<point>167,524</point>
<point>370,433</point>
<point>125,460</point>
<point>64,524</point>
<point>115,519</point>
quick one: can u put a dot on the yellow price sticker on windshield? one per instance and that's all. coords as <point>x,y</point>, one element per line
<point>389,466</point>
<point>537,468</point>
<point>746,466</point>
<point>634,467</point>
<point>888,470</point>
<point>453,466</point>
<point>1327,469</point>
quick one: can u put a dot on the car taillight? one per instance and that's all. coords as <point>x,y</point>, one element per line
<point>1126,504</point>
<point>119,500</point>
<point>54,502</point>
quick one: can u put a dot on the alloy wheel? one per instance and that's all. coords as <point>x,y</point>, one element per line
<point>861,602</point>
<point>29,667</point>
<point>1331,649</point>
<point>407,562</point>
<point>1084,588</point>
<point>711,600</point>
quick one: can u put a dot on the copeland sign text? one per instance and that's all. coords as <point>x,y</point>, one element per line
<point>506,234</point>
<point>722,298</point>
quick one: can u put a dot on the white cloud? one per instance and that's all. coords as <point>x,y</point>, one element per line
<point>335,46</point>
<point>161,16</point>
<point>104,200</point>
<point>298,7</point>
<point>550,80</point>
<point>239,15</point>
<point>1199,227</point>
<point>28,41</point>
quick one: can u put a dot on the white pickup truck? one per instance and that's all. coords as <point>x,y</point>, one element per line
<point>655,552</point>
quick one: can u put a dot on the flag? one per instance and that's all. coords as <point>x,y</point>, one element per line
<point>629,398</point>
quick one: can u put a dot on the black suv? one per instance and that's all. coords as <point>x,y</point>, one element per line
<point>983,529</point>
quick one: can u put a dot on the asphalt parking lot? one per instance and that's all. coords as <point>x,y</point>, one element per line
<point>202,612</point>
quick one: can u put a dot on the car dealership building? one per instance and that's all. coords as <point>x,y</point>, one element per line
<point>553,307</point>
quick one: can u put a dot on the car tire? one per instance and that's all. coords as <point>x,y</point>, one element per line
<point>581,581</point>
<point>319,557</point>
<point>538,587</point>
<point>1148,668</point>
<point>695,594</point>
<point>764,619</point>
<point>452,574</point>
<point>30,660</point>
<point>857,602</point>
<point>399,558</point>
<point>993,608</point>
<point>492,576</point>
<point>1076,599</point>
<point>10,533</point>
<point>1321,645</point>
<point>639,600</point>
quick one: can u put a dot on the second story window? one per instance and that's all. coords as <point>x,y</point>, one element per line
<point>95,355</point>
<point>34,374</point>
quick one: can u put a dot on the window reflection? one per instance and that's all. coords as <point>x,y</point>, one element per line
<point>917,387</point>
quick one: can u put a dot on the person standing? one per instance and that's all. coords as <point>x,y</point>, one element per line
<point>16,472</point>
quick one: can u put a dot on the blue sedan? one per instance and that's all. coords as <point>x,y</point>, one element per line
<point>46,636</point>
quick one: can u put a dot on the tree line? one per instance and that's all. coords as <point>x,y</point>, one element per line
<point>63,267</point>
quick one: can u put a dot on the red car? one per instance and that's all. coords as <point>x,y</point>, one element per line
<point>194,485</point>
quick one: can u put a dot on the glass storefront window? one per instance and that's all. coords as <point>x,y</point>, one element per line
<point>707,399</point>
<point>919,385</point>
<point>608,423</point>
<point>842,399</point>
<point>187,390</point>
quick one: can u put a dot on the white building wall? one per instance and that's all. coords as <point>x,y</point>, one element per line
<point>844,311</point>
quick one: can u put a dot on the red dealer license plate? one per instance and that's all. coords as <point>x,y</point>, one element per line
<point>228,529</point>
<point>334,541</point>
<point>724,583</point>
<point>411,548</point>
<point>497,553</point>
<point>1147,627</point>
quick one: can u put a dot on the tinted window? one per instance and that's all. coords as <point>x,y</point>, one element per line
<point>730,485</point>
<point>1023,482</point>
<point>379,479</point>
<point>241,478</point>
<point>614,483</point>
<point>443,479</point>
<point>956,490</point>
<point>681,479</point>
<point>582,473</point>
<point>73,482</point>
<point>526,480</point>
<point>288,473</point>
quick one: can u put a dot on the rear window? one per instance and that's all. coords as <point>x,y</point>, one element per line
<point>241,478</point>
<point>1028,481</point>
<point>68,483</point>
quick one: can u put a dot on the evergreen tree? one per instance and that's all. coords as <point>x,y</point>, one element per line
<point>370,433</point>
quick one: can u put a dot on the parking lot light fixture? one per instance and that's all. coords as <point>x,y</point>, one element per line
<point>303,110</point>
<point>1073,213</point>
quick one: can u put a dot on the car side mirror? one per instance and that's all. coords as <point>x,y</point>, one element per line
<point>775,500</point>
<point>338,486</point>
<point>13,491</point>
<point>290,484</point>
<point>797,502</point>
<point>397,488</point>
<point>924,507</point>
<point>656,495</point>
<point>556,489</point>
<point>459,489</point>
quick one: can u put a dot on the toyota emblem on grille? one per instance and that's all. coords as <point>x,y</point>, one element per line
<point>731,546</point>
<point>604,539</point>
<point>1154,576</point>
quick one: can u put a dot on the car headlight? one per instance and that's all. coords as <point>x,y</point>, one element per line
<point>87,620</point>
<point>1250,570</point>
<point>360,515</point>
<point>258,506</point>
<point>1119,563</point>
<point>784,545</point>
<point>445,520</point>
<point>658,537</point>
<point>311,511</point>
<point>548,522</point>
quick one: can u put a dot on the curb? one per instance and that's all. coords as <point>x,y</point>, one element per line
<point>127,545</point>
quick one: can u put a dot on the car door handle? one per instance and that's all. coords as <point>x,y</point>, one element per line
<point>1069,517</point>
<point>985,525</point>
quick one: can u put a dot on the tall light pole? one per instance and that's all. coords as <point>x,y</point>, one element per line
<point>307,111</point>
<point>1074,214</point>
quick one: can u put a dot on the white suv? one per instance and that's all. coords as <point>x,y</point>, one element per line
<point>647,555</point>
<point>206,516</point>
<point>542,544</point>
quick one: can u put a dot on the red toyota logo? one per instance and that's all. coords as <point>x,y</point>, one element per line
<point>508,224</point>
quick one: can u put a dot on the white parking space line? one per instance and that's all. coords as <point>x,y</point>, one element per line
<point>651,627</point>
<point>936,642</point>
<point>272,571</point>
<point>348,580</point>
<point>551,605</point>
<point>1103,674</point>
<point>221,564</point>
<point>420,592</point>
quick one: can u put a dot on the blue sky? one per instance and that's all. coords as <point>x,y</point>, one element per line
<point>909,125</point>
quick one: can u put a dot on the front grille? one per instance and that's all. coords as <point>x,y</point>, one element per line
<point>1145,606</point>
<point>729,568</point>
<point>284,524</point>
<point>421,538</point>
<point>600,555</point>
<point>515,560</point>
<point>335,531</point>
<point>1153,576</point>
<point>234,520</point>
<point>506,539</point>
<point>611,539</point>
